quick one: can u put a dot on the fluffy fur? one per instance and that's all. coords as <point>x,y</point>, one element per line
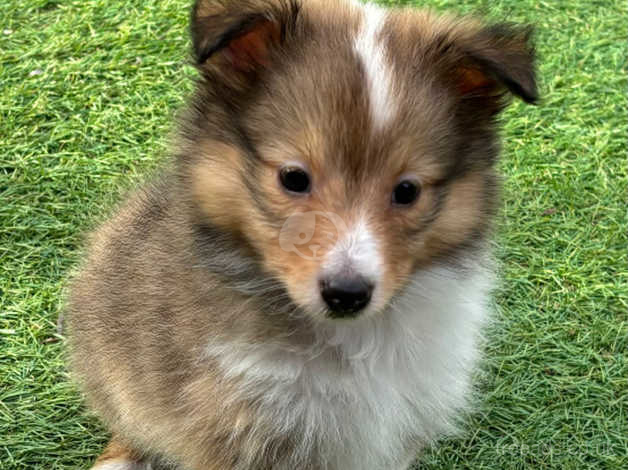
<point>196,324</point>
<point>357,394</point>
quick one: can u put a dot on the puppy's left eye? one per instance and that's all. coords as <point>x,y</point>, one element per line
<point>295,179</point>
<point>406,192</point>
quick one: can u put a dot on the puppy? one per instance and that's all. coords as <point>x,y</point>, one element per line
<point>303,285</point>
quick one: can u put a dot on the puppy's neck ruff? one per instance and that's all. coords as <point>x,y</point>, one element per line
<point>365,383</point>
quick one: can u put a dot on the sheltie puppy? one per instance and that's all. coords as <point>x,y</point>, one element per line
<point>302,286</point>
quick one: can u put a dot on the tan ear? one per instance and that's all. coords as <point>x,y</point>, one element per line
<point>472,80</point>
<point>239,35</point>
<point>252,48</point>
<point>495,58</point>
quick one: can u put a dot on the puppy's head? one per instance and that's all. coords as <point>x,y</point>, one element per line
<point>346,145</point>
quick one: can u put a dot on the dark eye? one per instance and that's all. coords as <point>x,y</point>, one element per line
<point>294,179</point>
<point>405,193</point>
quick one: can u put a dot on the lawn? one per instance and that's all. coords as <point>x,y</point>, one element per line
<point>88,95</point>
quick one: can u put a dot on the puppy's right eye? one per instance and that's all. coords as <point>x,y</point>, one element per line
<point>295,179</point>
<point>405,193</point>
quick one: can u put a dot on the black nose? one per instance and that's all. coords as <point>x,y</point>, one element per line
<point>346,296</point>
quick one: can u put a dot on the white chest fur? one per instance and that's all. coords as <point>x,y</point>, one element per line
<point>374,390</point>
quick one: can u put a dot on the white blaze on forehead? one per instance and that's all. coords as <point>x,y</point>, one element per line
<point>372,52</point>
<point>357,252</point>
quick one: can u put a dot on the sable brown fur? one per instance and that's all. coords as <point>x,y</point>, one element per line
<point>193,257</point>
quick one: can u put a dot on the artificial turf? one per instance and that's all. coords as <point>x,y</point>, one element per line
<point>88,94</point>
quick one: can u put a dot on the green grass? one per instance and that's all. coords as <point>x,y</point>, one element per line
<point>88,92</point>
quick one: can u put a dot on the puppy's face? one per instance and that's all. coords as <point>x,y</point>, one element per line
<point>349,145</point>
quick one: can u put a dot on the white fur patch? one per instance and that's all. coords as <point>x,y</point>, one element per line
<point>122,464</point>
<point>372,53</point>
<point>371,391</point>
<point>357,252</point>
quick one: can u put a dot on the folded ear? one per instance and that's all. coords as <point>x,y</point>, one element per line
<point>493,59</point>
<point>238,37</point>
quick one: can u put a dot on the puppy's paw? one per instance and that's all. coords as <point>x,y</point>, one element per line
<point>117,456</point>
<point>121,464</point>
